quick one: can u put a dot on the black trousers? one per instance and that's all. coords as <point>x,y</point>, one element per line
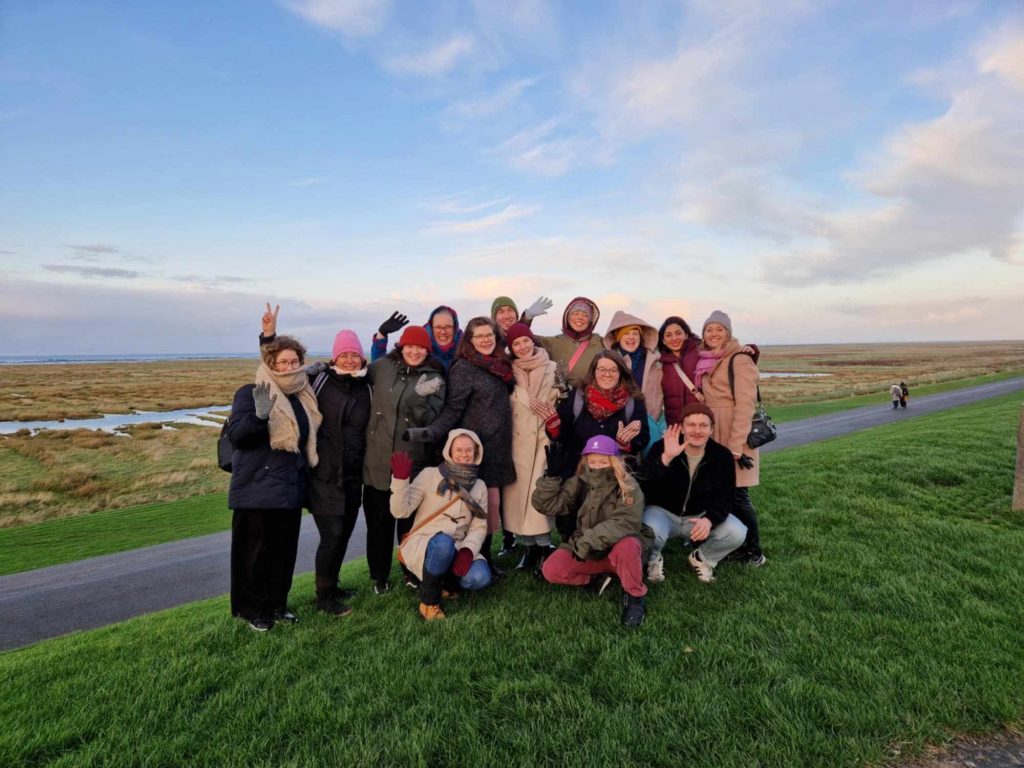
<point>743,508</point>
<point>381,528</point>
<point>264,543</point>
<point>335,527</point>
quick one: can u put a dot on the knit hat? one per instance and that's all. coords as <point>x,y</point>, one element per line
<point>620,332</point>
<point>581,306</point>
<point>692,408</point>
<point>601,445</point>
<point>718,316</point>
<point>415,336</point>
<point>346,341</point>
<point>517,331</point>
<point>503,301</point>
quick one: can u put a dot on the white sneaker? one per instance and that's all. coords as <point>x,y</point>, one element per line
<point>656,569</point>
<point>705,572</point>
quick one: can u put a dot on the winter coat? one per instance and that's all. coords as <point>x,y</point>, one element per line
<point>528,441</point>
<point>603,517</point>
<point>421,497</point>
<point>709,495</point>
<point>562,347</point>
<point>479,401</point>
<point>261,477</point>
<point>732,418</point>
<point>403,397</point>
<point>574,430</point>
<point>650,382</point>
<point>677,394</point>
<point>896,391</point>
<point>344,402</point>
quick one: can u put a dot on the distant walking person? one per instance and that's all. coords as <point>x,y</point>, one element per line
<point>904,394</point>
<point>896,393</point>
<point>272,428</point>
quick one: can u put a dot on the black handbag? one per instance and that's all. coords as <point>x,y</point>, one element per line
<point>762,428</point>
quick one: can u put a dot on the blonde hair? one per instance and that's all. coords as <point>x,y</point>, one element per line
<point>627,483</point>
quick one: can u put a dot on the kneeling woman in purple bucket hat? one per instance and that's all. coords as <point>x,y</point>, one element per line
<point>610,537</point>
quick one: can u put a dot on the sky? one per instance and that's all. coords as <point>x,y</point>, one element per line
<point>822,171</point>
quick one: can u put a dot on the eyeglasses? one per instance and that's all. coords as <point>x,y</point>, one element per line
<point>284,365</point>
<point>605,371</point>
<point>482,336</point>
<point>443,328</point>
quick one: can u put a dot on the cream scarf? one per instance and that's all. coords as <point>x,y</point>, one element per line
<point>284,429</point>
<point>530,371</point>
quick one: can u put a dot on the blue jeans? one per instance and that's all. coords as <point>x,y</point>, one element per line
<point>441,551</point>
<point>723,539</point>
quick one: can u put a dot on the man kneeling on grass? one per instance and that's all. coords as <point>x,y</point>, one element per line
<point>450,504</point>
<point>609,536</point>
<point>690,482</point>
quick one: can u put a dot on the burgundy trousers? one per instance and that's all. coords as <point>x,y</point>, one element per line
<point>624,561</point>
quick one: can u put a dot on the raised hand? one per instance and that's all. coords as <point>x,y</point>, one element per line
<point>263,400</point>
<point>673,445</point>
<point>269,320</point>
<point>401,465</point>
<point>556,459</point>
<point>627,432</point>
<point>396,322</point>
<point>538,308</point>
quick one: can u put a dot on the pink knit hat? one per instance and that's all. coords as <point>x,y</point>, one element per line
<point>346,341</point>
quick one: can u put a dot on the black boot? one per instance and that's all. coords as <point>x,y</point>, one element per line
<point>543,553</point>
<point>327,599</point>
<point>508,543</point>
<point>632,610</point>
<point>430,597</point>
<point>529,558</point>
<point>496,573</point>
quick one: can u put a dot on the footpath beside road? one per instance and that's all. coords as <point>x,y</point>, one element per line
<point>53,601</point>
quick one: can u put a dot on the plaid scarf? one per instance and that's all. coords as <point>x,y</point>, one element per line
<point>459,479</point>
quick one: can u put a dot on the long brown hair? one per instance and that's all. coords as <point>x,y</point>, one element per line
<point>467,350</point>
<point>625,374</point>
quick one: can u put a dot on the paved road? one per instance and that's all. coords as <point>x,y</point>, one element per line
<point>102,590</point>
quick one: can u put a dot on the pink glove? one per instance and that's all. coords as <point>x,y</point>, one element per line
<point>463,559</point>
<point>401,465</point>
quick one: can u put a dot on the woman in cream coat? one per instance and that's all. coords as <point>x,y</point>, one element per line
<point>450,505</point>
<point>533,403</point>
<point>733,415</point>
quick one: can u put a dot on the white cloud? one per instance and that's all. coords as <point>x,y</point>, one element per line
<point>435,61</point>
<point>355,18</point>
<point>494,103</point>
<point>311,181</point>
<point>539,150</point>
<point>483,223</point>
<point>456,205</point>
<point>94,273</point>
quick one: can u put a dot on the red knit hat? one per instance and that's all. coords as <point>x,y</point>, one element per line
<point>415,336</point>
<point>692,408</point>
<point>517,331</point>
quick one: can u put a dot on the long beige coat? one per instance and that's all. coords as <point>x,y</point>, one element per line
<point>732,420</point>
<point>421,497</point>
<point>528,441</point>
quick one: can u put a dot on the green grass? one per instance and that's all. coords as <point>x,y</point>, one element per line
<point>889,615</point>
<point>101,533</point>
<point>782,413</point>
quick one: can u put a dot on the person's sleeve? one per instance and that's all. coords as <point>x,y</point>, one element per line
<point>378,347</point>
<point>553,497</point>
<point>746,378</point>
<point>478,525</point>
<point>406,497</point>
<point>245,428</point>
<point>459,391</point>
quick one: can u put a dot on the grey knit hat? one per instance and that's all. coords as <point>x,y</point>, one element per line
<point>718,316</point>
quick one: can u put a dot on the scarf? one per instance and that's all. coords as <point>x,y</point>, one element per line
<point>357,375</point>
<point>706,361</point>
<point>284,428</point>
<point>602,405</point>
<point>459,479</point>
<point>493,365</point>
<point>636,360</point>
<point>530,372</point>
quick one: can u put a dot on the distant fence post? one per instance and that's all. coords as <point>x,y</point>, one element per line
<point>1018,478</point>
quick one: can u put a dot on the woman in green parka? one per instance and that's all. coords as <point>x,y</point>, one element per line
<point>574,348</point>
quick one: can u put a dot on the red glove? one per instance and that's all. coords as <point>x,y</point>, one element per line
<point>401,465</point>
<point>463,559</point>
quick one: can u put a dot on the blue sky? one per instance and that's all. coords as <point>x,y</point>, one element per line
<point>824,172</point>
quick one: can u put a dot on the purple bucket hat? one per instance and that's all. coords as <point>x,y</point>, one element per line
<point>602,445</point>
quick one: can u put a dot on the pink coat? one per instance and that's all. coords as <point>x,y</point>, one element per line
<point>732,418</point>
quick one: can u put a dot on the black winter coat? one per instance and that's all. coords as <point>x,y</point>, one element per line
<point>340,442</point>
<point>576,430</point>
<point>714,483</point>
<point>262,478</point>
<point>479,400</point>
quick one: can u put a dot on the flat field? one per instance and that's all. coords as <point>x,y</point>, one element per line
<point>61,474</point>
<point>888,617</point>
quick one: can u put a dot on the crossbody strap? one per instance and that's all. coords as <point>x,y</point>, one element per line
<point>688,383</point>
<point>431,518</point>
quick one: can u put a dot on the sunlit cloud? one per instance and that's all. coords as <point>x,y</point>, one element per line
<point>435,61</point>
<point>355,18</point>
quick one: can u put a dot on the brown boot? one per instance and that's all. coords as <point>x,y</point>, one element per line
<point>430,597</point>
<point>432,612</point>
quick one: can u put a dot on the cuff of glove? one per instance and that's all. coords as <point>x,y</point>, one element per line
<point>553,426</point>
<point>624,447</point>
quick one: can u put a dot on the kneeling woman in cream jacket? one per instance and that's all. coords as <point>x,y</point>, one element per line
<point>450,504</point>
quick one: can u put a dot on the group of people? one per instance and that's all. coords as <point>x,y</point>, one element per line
<point>900,394</point>
<point>616,442</point>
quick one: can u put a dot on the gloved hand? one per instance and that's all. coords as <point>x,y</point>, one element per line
<point>538,308</point>
<point>315,369</point>
<point>556,459</point>
<point>416,435</point>
<point>401,465</point>
<point>745,461</point>
<point>394,323</point>
<point>627,432</point>
<point>542,409</point>
<point>264,401</point>
<point>463,560</point>
<point>580,549</point>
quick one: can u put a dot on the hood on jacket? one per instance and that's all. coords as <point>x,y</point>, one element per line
<point>648,333</point>
<point>595,315</point>
<point>429,325</point>
<point>447,452</point>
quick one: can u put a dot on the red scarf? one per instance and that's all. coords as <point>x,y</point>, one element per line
<point>500,368</point>
<point>602,405</point>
